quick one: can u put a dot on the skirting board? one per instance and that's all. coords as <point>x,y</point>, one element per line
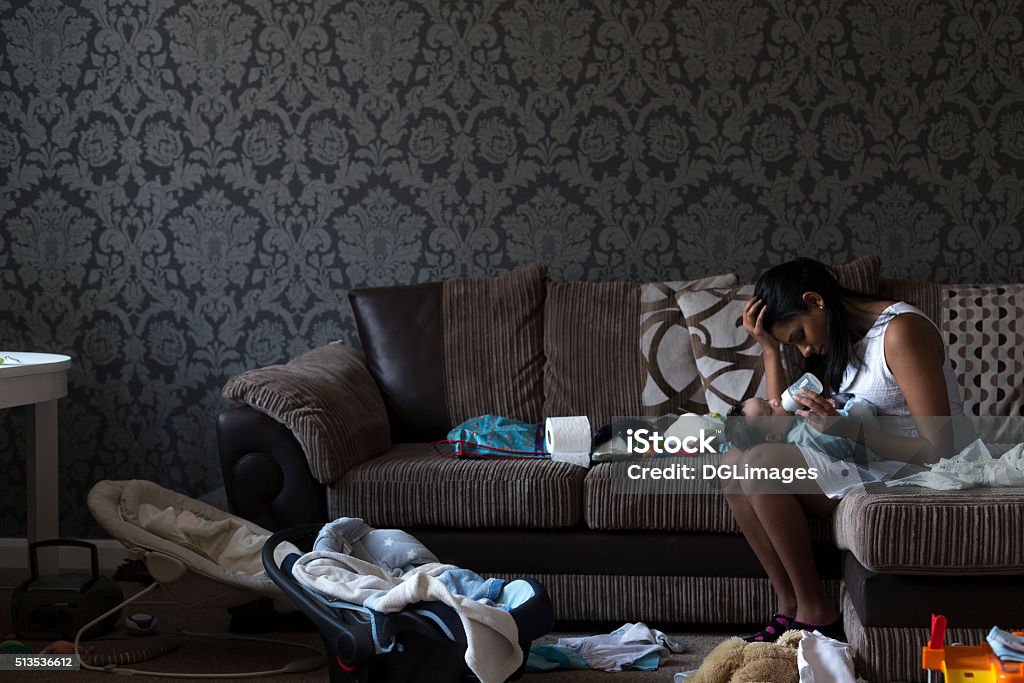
<point>14,554</point>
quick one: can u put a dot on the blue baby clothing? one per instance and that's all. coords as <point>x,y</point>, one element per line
<point>1005,645</point>
<point>857,409</point>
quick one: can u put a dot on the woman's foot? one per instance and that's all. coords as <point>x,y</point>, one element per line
<point>777,625</point>
<point>833,629</point>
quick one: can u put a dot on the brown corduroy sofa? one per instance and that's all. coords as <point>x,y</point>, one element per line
<point>346,432</point>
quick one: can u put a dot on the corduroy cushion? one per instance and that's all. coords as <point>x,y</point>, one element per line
<point>494,344</point>
<point>907,530</point>
<point>412,486</point>
<point>328,400</point>
<point>925,295</point>
<point>591,336</point>
<point>614,502</point>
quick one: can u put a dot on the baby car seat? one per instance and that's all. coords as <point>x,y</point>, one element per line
<point>426,642</point>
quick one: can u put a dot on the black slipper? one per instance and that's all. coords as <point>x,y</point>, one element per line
<point>777,625</point>
<point>833,629</point>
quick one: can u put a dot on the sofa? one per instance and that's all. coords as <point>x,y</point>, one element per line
<point>341,431</point>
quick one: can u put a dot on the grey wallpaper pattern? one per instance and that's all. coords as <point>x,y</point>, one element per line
<point>189,187</point>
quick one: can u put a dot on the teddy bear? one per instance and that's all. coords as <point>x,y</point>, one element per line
<point>737,661</point>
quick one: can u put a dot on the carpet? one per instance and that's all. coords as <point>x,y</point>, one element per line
<point>227,656</point>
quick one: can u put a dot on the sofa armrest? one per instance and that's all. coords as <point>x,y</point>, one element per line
<point>330,403</point>
<point>266,475</point>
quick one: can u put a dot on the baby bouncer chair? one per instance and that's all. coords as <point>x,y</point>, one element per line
<point>199,555</point>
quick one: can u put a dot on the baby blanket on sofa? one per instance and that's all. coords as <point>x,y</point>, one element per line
<point>971,467</point>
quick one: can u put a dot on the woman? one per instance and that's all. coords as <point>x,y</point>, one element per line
<point>884,351</point>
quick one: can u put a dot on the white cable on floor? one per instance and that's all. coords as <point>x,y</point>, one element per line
<point>295,666</point>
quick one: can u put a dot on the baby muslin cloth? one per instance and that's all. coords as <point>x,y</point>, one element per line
<point>971,467</point>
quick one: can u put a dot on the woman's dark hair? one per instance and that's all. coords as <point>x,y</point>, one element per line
<point>782,288</point>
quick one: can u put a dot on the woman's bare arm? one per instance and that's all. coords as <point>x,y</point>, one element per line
<point>915,355</point>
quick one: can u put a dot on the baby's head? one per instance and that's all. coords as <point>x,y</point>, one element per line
<point>757,420</point>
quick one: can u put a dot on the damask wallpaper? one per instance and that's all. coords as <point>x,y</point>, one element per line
<point>189,187</point>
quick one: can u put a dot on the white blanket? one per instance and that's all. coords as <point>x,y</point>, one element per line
<point>821,659</point>
<point>492,637</point>
<point>971,467</point>
<point>228,542</point>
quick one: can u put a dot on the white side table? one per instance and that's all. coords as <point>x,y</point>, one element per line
<point>38,379</point>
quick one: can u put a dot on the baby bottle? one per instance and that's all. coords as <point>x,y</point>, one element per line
<point>789,396</point>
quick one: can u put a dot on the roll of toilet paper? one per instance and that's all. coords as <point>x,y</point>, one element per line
<point>567,434</point>
<point>581,459</point>
<point>567,439</point>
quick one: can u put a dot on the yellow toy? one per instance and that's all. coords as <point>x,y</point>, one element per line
<point>737,661</point>
<point>965,663</point>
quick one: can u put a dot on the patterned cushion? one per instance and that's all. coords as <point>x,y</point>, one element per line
<point>905,530</point>
<point>984,327</point>
<point>412,486</point>
<point>728,359</point>
<point>671,381</point>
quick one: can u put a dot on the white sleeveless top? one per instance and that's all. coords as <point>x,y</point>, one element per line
<point>874,380</point>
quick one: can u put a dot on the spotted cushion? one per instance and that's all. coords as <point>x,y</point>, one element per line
<point>984,328</point>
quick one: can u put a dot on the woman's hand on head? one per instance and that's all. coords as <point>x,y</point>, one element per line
<point>753,317</point>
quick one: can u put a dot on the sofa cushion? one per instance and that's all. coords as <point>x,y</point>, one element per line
<point>328,400</point>
<point>444,352</point>
<point>614,502</point>
<point>494,345</point>
<point>671,383</point>
<point>412,486</point>
<point>860,274</point>
<point>906,530</point>
<point>591,335</point>
<point>728,359</point>
<point>984,328</point>
<point>925,295</point>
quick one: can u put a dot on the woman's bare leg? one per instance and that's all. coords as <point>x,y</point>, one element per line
<point>759,541</point>
<point>782,516</point>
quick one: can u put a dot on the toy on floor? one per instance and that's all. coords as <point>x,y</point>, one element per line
<point>737,661</point>
<point>965,663</point>
<point>14,647</point>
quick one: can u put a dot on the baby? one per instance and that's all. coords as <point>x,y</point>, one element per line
<point>759,420</point>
